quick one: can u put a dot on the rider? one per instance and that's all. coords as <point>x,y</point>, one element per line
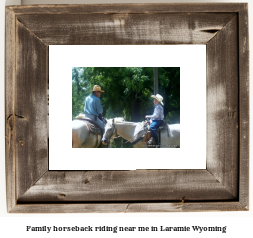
<point>93,108</point>
<point>157,118</point>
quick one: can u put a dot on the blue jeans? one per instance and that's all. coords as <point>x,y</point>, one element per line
<point>154,125</point>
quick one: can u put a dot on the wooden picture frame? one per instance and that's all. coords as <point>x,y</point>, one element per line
<point>222,186</point>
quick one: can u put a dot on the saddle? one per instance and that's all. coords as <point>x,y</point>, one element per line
<point>92,126</point>
<point>161,128</point>
<point>164,126</point>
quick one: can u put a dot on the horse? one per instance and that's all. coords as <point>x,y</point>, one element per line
<point>84,137</point>
<point>134,133</point>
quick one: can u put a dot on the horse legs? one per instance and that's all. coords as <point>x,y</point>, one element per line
<point>75,139</point>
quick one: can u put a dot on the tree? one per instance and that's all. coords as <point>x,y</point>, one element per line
<point>77,92</point>
<point>169,87</point>
<point>128,90</point>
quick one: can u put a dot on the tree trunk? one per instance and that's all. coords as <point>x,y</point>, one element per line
<point>135,109</point>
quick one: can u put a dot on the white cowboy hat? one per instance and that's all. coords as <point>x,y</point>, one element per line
<point>97,88</point>
<point>158,97</point>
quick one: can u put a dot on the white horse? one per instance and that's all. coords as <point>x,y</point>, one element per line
<point>83,137</point>
<point>131,131</point>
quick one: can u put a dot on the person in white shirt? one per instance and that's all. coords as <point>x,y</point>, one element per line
<point>157,118</point>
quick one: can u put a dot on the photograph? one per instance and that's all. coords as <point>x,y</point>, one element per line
<point>114,104</point>
<point>81,78</point>
<point>126,107</point>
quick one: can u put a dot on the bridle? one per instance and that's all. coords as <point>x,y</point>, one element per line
<point>114,130</point>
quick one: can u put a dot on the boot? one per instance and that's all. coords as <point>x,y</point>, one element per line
<point>151,141</point>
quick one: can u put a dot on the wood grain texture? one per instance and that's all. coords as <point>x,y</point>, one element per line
<point>186,207</point>
<point>10,64</point>
<point>140,185</point>
<point>118,29</point>
<point>30,108</point>
<point>222,187</point>
<point>244,106</point>
<point>129,8</point>
<point>129,207</point>
<point>222,107</point>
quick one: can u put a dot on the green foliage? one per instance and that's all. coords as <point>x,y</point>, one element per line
<point>128,91</point>
<point>77,92</point>
<point>169,88</point>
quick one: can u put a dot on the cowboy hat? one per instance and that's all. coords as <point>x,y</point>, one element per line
<point>97,88</point>
<point>158,97</point>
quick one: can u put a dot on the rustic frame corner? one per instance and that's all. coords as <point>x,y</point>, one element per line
<point>223,186</point>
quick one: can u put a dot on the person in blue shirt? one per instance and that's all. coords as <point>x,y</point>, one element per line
<point>157,118</point>
<point>93,108</point>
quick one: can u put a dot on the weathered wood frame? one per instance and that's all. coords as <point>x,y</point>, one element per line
<point>223,186</point>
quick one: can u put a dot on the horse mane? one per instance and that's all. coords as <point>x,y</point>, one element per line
<point>121,121</point>
<point>116,120</point>
<point>129,123</point>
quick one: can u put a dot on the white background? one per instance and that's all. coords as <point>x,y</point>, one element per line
<point>192,62</point>
<point>239,223</point>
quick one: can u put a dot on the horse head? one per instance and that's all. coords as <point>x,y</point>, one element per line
<point>110,129</point>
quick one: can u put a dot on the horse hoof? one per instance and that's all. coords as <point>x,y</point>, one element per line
<point>104,143</point>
